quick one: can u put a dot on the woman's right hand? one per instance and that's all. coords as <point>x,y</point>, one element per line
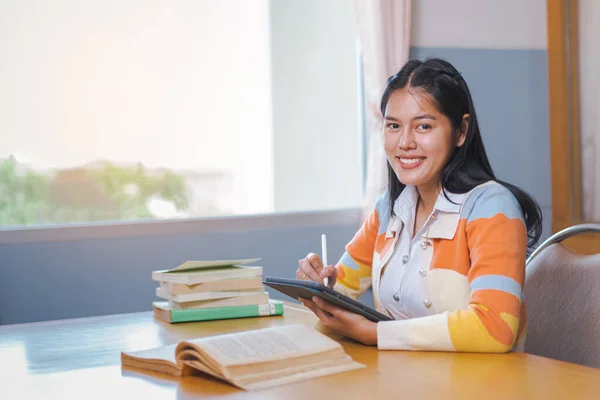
<point>311,268</point>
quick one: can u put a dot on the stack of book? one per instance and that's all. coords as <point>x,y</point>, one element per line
<point>211,290</point>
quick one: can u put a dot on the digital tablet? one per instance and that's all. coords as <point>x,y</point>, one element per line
<point>296,288</point>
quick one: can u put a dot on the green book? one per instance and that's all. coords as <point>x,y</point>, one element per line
<point>173,316</point>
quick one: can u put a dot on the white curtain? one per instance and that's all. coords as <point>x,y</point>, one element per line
<point>589,91</point>
<point>384,40</point>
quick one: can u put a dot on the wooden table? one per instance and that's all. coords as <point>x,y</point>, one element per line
<point>80,359</point>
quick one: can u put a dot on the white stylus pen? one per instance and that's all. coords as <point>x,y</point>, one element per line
<point>324,256</point>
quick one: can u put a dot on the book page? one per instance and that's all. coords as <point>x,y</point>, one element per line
<point>222,285</point>
<point>195,276</point>
<point>164,353</point>
<point>181,298</point>
<point>270,344</point>
<point>188,265</point>
<point>285,375</point>
<point>256,298</point>
<point>285,378</point>
<point>160,359</point>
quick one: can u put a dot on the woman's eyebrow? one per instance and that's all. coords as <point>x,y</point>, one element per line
<point>424,116</point>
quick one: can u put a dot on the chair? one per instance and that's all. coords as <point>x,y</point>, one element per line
<point>562,293</point>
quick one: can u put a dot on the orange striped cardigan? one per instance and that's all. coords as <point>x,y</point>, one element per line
<point>476,270</point>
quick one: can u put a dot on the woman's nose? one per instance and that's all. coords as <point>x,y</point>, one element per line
<point>407,140</point>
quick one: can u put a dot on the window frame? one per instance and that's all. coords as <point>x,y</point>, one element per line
<point>140,228</point>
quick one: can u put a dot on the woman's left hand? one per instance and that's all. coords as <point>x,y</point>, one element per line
<point>343,322</point>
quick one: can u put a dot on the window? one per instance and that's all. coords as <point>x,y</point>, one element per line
<point>124,110</point>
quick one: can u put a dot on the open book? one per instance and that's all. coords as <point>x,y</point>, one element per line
<point>250,360</point>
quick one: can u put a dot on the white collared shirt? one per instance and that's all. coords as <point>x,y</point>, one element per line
<point>404,287</point>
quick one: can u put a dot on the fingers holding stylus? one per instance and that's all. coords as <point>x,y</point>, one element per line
<point>309,268</point>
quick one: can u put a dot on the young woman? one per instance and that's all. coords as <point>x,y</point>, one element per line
<point>444,249</point>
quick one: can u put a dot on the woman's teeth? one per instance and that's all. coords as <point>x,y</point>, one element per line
<point>411,160</point>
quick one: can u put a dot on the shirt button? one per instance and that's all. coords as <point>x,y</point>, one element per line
<point>424,244</point>
<point>427,303</point>
<point>422,272</point>
<point>404,259</point>
<point>396,296</point>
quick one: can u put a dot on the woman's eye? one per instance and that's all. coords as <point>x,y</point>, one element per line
<point>424,127</point>
<point>393,126</point>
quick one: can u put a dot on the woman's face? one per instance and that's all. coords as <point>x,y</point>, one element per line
<point>418,139</point>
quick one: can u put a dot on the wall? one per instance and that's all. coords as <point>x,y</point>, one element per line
<point>476,24</point>
<point>108,271</point>
<point>500,49</point>
<point>589,114</point>
<point>315,105</point>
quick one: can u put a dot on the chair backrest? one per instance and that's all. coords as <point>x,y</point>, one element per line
<point>562,293</point>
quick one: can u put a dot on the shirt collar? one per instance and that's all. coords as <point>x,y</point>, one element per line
<point>406,201</point>
<point>404,208</point>
<point>409,196</point>
<point>450,206</point>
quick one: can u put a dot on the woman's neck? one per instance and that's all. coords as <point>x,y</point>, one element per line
<point>428,194</point>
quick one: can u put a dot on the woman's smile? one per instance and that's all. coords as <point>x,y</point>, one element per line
<point>410,162</point>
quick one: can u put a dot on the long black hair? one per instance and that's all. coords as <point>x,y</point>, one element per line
<point>468,165</point>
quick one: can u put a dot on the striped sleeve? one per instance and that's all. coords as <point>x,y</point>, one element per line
<point>497,243</point>
<point>355,266</point>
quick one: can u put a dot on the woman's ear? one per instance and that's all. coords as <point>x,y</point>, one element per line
<point>462,131</point>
